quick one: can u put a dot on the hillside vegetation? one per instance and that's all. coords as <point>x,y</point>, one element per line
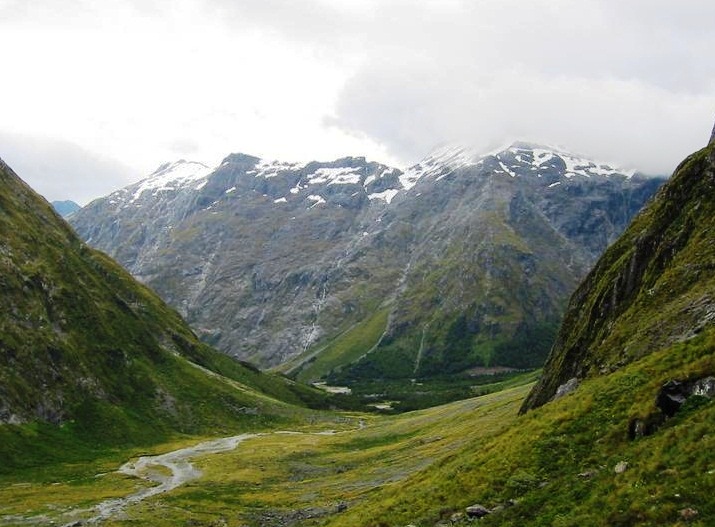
<point>92,359</point>
<point>630,442</point>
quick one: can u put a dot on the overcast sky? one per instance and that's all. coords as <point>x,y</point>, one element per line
<point>97,94</point>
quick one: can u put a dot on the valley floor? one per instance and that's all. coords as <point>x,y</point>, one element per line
<point>305,476</point>
<point>573,462</point>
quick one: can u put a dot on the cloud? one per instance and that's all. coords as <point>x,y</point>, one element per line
<point>60,170</point>
<point>593,76</point>
<point>147,81</point>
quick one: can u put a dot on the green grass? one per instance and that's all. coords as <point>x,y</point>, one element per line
<point>539,457</point>
<point>416,394</point>
<point>420,467</point>
<point>346,348</point>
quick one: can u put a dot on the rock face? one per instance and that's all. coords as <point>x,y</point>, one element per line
<point>653,287</point>
<point>462,260</point>
<point>674,393</point>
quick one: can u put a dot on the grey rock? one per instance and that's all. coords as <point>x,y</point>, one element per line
<point>267,272</point>
<point>477,511</point>
<point>457,517</point>
<point>566,388</point>
<point>674,393</point>
<point>704,387</point>
<point>621,467</point>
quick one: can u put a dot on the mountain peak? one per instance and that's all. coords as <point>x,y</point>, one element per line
<point>516,159</point>
<point>240,158</point>
<point>170,176</point>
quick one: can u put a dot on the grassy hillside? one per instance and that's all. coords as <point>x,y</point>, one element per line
<point>653,287</point>
<point>92,359</point>
<point>552,466</point>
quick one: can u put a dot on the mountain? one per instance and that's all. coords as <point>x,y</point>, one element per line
<point>463,260</point>
<point>618,431</point>
<point>88,352</point>
<point>653,288</point>
<point>65,208</point>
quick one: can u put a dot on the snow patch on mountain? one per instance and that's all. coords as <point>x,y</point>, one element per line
<point>540,156</point>
<point>335,176</point>
<point>172,176</point>
<point>439,163</point>
<point>515,160</point>
<point>269,169</point>
<point>385,195</point>
<point>317,200</point>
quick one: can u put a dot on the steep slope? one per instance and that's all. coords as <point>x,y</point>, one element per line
<point>580,460</point>
<point>631,443</point>
<point>654,287</point>
<point>83,345</point>
<point>498,242</point>
<point>463,260</point>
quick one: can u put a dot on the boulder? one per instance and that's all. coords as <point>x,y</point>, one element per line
<point>704,387</point>
<point>621,467</point>
<point>671,397</point>
<point>477,511</point>
<point>457,517</point>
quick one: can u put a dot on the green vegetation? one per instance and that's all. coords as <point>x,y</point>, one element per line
<point>100,359</point>
<point>557,463</point>
<point>101,371</point>
<point>653,287</point>
<point>344,349</point>
<point>404,395</point>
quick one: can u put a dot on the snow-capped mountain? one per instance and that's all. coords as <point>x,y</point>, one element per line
<point>460,260</point>
<point>518,159</point>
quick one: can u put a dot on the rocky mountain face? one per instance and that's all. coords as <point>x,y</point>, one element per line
<point>463,260</point>
<point>84,345</point>
<point>653,288</point>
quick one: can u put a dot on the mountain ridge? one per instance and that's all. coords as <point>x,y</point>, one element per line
<point>297,253</point>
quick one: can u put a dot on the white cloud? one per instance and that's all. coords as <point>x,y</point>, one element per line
<point>62,170</point>
<point>150,81</point>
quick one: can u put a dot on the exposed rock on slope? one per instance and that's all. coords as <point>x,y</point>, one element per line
<point>462,260</point>
<point>654,287</point>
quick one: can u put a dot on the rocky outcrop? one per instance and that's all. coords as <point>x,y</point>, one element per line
<point>675,393</point>
<point>655,286</point>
